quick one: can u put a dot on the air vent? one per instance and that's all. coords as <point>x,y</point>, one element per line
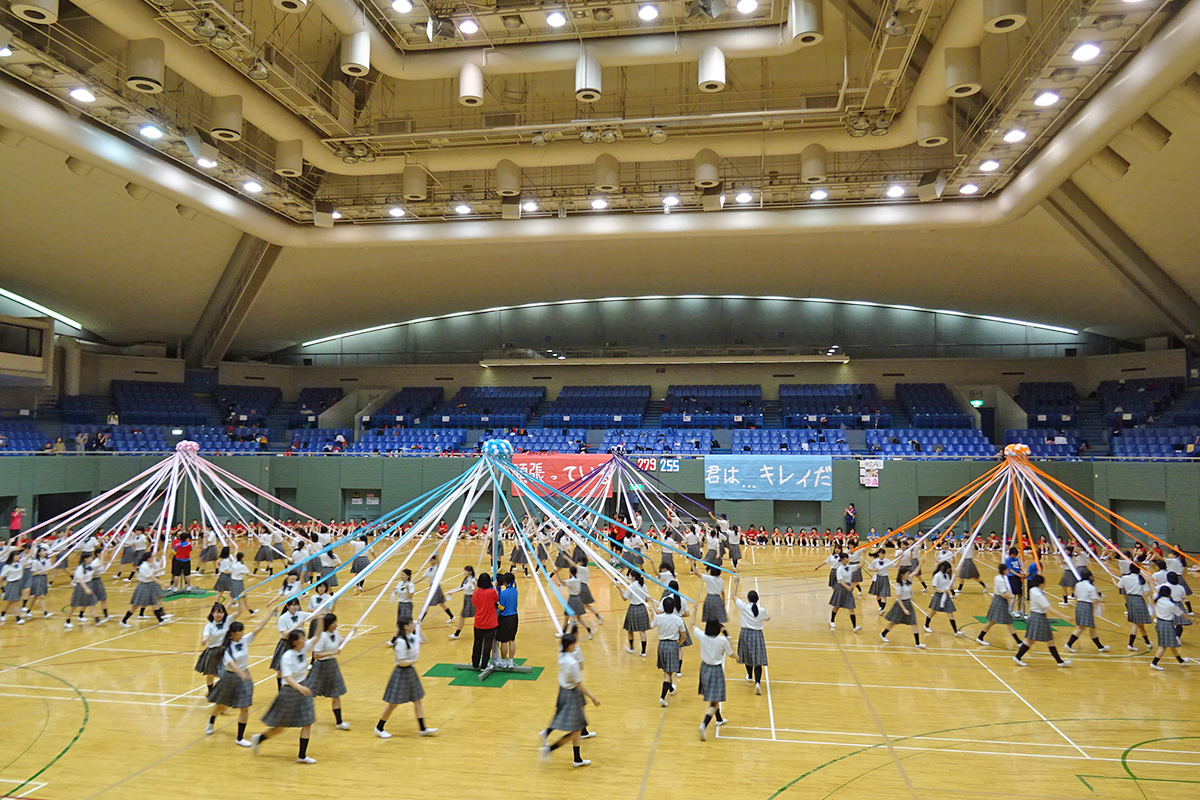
<point>499,120</point>
<point>393,127</point>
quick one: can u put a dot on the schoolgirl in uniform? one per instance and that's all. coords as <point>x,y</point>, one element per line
<point>83,596</point>
<point>671,629</point>
<point>843,594</point>
<point>1000,610</point>
<point>1037,626</point>
<point>1166,611</point>
<point>752,647</point>
<point>39,581</point>
<point>212,643</point>
<point>1177,594</point>
<point>881,586</point>
<point>404,686</point>
<point>1068,579</point>
<point>1086,596</point>
<point>637,617</point>
<point>517,556</point>
<point>403,592</point>
<point>967,570</point>
<point>943,583</point>
<point>585,590</point>
<point>327,563</point>
<point>714,649</point>
<point>128,555</point>
<point>237,583</point>
<point>209,554</point>
<point>224,566</point>
<point>902,612</point>
<point>439,597</point>
<point>265,554</point>
<point>733,543</point>
<point>235,689</point>
<point>468,607</point>
<point>362,559</point>
<point>325,677</point>
<point>1133,585</point>
<point>714,598</point>
<point>293,706</point>
<point>1174,562</point>
<point>574,602</point>
<point>691,541</point>
<point>148,593</point>
<point>569,705</point>
<point>11,573</point>
<point>290,619</point>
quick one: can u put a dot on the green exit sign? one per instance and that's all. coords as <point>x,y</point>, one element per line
<point>637,487</point>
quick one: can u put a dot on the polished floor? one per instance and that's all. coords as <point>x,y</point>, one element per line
<point>115,713</point>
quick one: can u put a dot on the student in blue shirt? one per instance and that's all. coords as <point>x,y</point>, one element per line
<point>1015,572</point>
<point>506,633</point>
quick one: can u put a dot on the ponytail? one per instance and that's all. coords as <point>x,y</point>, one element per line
<point>234,627</point>
<point>753,598</point>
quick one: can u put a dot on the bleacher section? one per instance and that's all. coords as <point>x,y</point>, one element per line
<point>153,403</point>
<point>1039,447</point>
<point>314,440</point>
<point>953,442</point>
<point>311,402</point>
<point>1134,402</point>
<point>85,408</point>
<point>409,441</point>
<point>658,441</point>
<point>23,437</point>
<point>931,405</point>
<point>704,406</point>
<point>1156,443</point>
<point>541,440</point>
<point>790,442</point>
<point>251,404</point>
<point>215,439</point>
<point>598,406</point>
<point>1049,405</point>
<point>131,438</point>
<point>404,407</point>
<point>488,407</point>
<point>817,405</point>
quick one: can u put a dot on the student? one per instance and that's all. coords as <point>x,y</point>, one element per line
<point>468,605</point>
<point>212,643</point>
<point>362,560</point>
<point>752,647</point>
<point>39,582</point>
<point>856,575</point>
<point>290,619</point>
<point>967,569</point>
<point>1037,627</point>
<point>439,597</point>
<point>881,586</point>
<point>573,618</point>
<point>486,622</point>
<point>1086,595</point>
<point>11,574</point>
<point>943,582</point>
<point>507,621</point>
<point>235,689</point>
<point>209,554</point>
<point>265,553</point>
<point>293,706</point>
<point>714,599</point>
<point>831,561</point>
<point>1000,610</point>
<point>671,629</point>
<point>404,686</point>
<point>224,567</point>
<point>585,592</point>
<point>1069,577</point>
<point>1165,612</point>
<point>148,593</point>
<point>1133,585</point>
<point>517,556</point>
<point>403,592</point>
<point>568,707</point>
<point>637,618</point>
<point>181,563</point>
<point>843,595</point>
<point>714,649</point>
<point>83,596</point>
<point>733,539</point>
<point>1016,571</point>
<point>237,583</point>
<point>325,677</point>
<point>902,612</point>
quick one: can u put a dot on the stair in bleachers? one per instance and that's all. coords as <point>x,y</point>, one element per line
<point>1092,428</point>
<point>653,414</point>
<point>772,415</point>
<point>535,419</point>
<point>856,440</point>
<point>277,424</point>
<point>208,407</point>
<point>1183,411</point>
<point>899,415</point>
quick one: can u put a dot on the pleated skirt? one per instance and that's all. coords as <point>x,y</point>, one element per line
<point>752,648</point>
<point>712,683</point>
<point>881,586</point>
<point>403,686</point>
<point>568,711</point>
<point>290,709</point>
<point>713,609</point>
<point>637,618</point>
<point>325,679</point>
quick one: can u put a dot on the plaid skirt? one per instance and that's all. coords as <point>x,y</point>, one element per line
<point>999,612</point>
<point>856,575</point>
<point>668,655</point>
<point>713,609</point>
<point>968,569</point>
<point>568,711</point>
<point>575,603</point>
<point>236,588</point>
<point>1084,615</point>
<point>403,687</point>
<point>12,591</point>
<point>542,553</point>
<point>735,552</point>
<point>712,683</point>
<point>942,602</point>
<point>1068,580</point>
<point>1187,590</point>
<point>128,554</point>
<point>637,618</point>
<point>222,584</point>
<point>1182,618</point>
<point>403,610</point>
<point>98,589</point>
<point>1165,629</point>
<point>266,553</point>
<point>232,691</point>
<point>1136,610</point>
<point>80,598</point>
<point>833,581</point>
<point>359,564</point>
<point>439,597</point>
<point>39,586</point>
<point>693,550</point>
<point>290,709</point>
<point>325,679</point>
<point>563,561</point>
<point>841,598</point>
<point>209,553</point>
<point>586,594</point>
<point>634,559</point>
<point>752,648</point>
<point>468,607</point>
<point>712,556</point>
<point>281,647</point>
<point>1037,628</point>
<point>880,586</point>
<point>898,616</point>
<point>332,580</point>
<point>517,556</point>
<point>210,661</point>
<point>578,555</point>
<point>145,595</point>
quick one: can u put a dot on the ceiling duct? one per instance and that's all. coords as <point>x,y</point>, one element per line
<point>963,71</point>
<point>812,164</point>
<point>226,122</point>
<point>588,80</point>
<point>289,158</point>
<point>356,54</point>
<point>144,66</point>
<point>706,166</point>
<point>508,179</point>
<point>608,173</point>
<point>711,69</point>
<point>933,125</point>
<point>470,85</point>
<point>1003,16</point>
<point>416,183</point>
<point>39,12</point>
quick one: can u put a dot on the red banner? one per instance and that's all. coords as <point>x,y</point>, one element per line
<point>558,470</point>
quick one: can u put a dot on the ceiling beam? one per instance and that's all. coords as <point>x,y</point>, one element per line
<point>1114,248</point>
<point>231,301</point>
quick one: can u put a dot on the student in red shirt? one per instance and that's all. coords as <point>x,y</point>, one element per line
<point>181,563</point>
<point>486,621</point>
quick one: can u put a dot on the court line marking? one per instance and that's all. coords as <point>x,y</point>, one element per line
<point>76,699</point>
<point>85,691</point>
<point>33,787</point>
<point>767,677</point>
<point>889,686</point>
<point>662,721</point>
<point>1030,705</point>
<point>205,688</point>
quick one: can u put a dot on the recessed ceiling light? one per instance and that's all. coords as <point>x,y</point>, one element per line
<point>402,6</point>
<point>648,12</point>
<point>990,165</point>
<point>253,187</point>
<point>1085,51</point>
<point>468,26</point>
<point>599,204</point>
<point>968,188</point>
<point>462,208</point>
<point>396,211</point>
<point>818,194</point>
<point>205,163</point>
<point>82,95</point>
<point>1013,136</point>
<point>336,215</point>
<point>747,6</point>
<point>556,19</point>
<point>5,51</point>
<point>149,131</point>
<point>1045,99</point>
<point>895,190</point>
<point>744,197</point>
<point>657,134</point>
<point>529,206</point>
<point>670,200</point>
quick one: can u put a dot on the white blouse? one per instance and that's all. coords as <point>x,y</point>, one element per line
<point>290,620</point>
<point>1165,609</point>
<point>570,673</point>
<point>713,649</point>
<point>1000,586</point>
<point>1038,603</point>
<point>1086,592</point>
<point>749,619</point>
<point>636,595</point>
<point>669,627</point>
<point>713,583</point>
<point>407,646</point>
<point>238,653</point>
<point>294,663</point>
<point>942,582</point>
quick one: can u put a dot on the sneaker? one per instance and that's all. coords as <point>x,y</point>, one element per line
<point>960,633</point>
<point>983,642</point>
<point>677,675</point>
<point>454,636</point>
<point>1069,648</point>
<point>67,625</point>
<point>124,624</point>
<point>749,679</point>
<point>306,760</point>
<point>1104,648</point>
<point>662,701</point>
<point>545,740</point>
<point>758,688</point>
<point>921,645</point>
<point>255,742</point>
<point>1066,662</point>
<point>857,628</point>
<point>722,722</point>
<point>1158,667</point>
<point>883,638</point>
<point>1130,647</point>
<point>588,735</point>
<point>928,629</point>
<point>833,626</point>
<point>343,726</point>
<point>1063,603</point>
<point>628,649</point>
<point>243,743</point>
<point>382,734</point>
<point>428,732</point>
<point>102,620</point>
<point>20,620</point>
<point>591,633</point>
<point>703,737</point>
<point>583,763</point>
<point>599,620</point>
<point>544,752</point>
<point>208,729</point>
<point>672,692</point>
<point>643,655</point>
<point>1019,662</point>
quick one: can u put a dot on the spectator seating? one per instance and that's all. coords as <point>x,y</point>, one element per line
<point>1049,405</point>
<point>542,440</point>
<point>23,437</point>
<point>1156,443</point>
<point>1135,401</point>
<point>404,407</point>
<point>215,438</point>
<point>658,441</point>
<point>1039,447</point>
<point>705,406</point>
<point>311,402</point>
<point>790,442</point>
<point>488,406</point>
<point>814,405</point>
<point>152,403</point>
<point>85,409</point>
<point>1185,411</point>
<point>931,405</point>
<point>313,440</point>
<point>252,402</point>
<point>409,441</point>
<point>931,443</point>
<point>598,406</point>
<point>131,438</point>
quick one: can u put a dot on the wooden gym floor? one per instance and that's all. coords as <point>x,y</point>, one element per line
<point>115,713</point>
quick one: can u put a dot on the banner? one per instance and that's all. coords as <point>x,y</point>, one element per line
<point>558,470</point>
<point>768,477</point>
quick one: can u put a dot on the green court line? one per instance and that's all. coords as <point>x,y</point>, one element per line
<point>464,677</point>
<point>70,744</point>
<point>196,595</point>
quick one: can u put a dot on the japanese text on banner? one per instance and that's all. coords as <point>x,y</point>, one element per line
<point>768,478</point>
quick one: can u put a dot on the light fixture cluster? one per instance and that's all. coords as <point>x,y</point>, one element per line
<point>832,349</point>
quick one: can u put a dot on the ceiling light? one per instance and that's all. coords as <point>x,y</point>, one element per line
<point>648,12</point>
<point>512,21</point>
<point>818,194</point>
<point>205,163</point>
<point>5,41</point>
<point>588,136</point>
<point>990,165</point>
<point>1015,135</point>
<point>529,206</point>
<point>1085,51</point>
<point>402,6</point>
<point>396,211</point>
<point>539,140</point>
<point>894,27</point>
<point>5,51</point>
<point>462,208</point>
<point>880,126</point>
<point>599,204</point>
<point>205,28</point>
<point>968,188</point>
<point>468,26</point>
<point>859,122</point>
<point>1045,99</point>
<point>556,19</point>
<point>253,187</point>
<point>747,6</point>
<point>602,15</point>
<point>744,197</point>
<point>857,133</point>
<point>336,215</point>
<point>895,190</point>
<point>670,201</point>
<point>221,40</point>
<point>608,136</point>
<point>151,131</point>
<point>1063,75</point>
<point>1110,22</point>
<point>438,28</point>
<point>82,95</point>
<point>657,134</point>
<point>258,72</point>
